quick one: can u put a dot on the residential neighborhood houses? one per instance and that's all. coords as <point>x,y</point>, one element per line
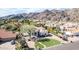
<point>39,31</point>
<point>36,36</point>
<point>71,30</point>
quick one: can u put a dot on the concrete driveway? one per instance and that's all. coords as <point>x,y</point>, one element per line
<point>7,46</point>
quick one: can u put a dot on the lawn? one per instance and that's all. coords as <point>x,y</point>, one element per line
<point>48,42</point>
<point>38,45</point>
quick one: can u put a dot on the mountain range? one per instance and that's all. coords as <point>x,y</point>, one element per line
<point>55,15</point>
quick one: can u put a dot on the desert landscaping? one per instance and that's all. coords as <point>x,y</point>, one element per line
<point>44,30</point>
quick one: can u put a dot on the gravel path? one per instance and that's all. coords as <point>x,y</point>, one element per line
<point>31,44</point>
<point>42,44</point>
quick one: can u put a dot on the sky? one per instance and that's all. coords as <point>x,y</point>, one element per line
<point>9,11</point>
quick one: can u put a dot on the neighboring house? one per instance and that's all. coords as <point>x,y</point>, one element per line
<point>72,33</point>
<point>70,30</point>
<point>7,35</point>
<point>41,32</point>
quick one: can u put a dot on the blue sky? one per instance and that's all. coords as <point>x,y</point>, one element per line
<point>9,11</point>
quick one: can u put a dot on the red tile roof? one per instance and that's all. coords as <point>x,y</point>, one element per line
<point>6,34</point>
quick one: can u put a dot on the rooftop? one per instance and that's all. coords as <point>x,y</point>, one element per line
<point>6,34</point>
<point>71,27</point>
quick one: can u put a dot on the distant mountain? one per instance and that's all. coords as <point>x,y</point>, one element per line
<point>56,15</point>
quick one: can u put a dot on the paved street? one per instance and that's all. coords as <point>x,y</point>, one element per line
<point>74,39</point>
<point>69,46</point>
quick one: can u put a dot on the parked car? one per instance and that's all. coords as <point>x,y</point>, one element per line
<point>13,42</point>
